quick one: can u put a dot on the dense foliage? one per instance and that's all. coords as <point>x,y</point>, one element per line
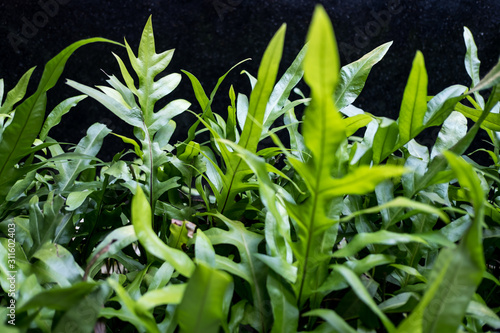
<point>352,225</point>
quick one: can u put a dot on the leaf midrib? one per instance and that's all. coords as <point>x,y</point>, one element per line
<point>252,113</point>
<point>80,161</point>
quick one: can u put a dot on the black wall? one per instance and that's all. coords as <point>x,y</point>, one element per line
<point>211,35</point>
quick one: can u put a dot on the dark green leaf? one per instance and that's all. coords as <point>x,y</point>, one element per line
<point>360,290</point>
<point>19,136</point>
<point>59,298</point>
<point>82,315</point>
<point>456,272</point>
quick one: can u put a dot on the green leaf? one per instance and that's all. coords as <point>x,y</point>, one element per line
<point>438,164</point>
<point>468,179</point>
<point>171,294</point>
<point>38,229</point>
<point>323,128</point>
<point>199,92</point>
<point>360,290</point>
<point>241,109</point>
<point>141,219</point>
<point>354,75</point>
<point>59,298</point>
<point>59,263</point>
<point>90,146</point>
<point>16,94</point>
<point>18,189</point>
<point>384,140</point>
<point>354,123</point>
<point>491,122</point>
<point>296,140</point>
<point>491,79</point>
<point>454,128</point>
<point>404,302</point>
<point>321,63</point>
<point>324,133</point>
<point>369,262</point>
<point>441,105</point>
<point>130,310</point>
<point>202,305</point>
<point>249,268</point>
<point>180,233</point>
<point>111,245</point>
<point>282,90</point>
<point>277,226</point>
<point>472,63</point>
<point>76,199</point>
<point>361,240</point>
<point>191,150</point>
<point>362,180</point>
<point>203,248</point>
<point>483,313</point>
<point>163,136</point>
<point>137,148</point>
<point>414,104</point>
<point>148,65</point>
<point>249,139</point>
<point>410,271</point>
<point>417,207</point>
<point>494,97</point>
<point>83,314</point>
<point>19,136</point>
<point>130,115</point>
<point>284,304</point>
<point>54,117</point>
<point>456,272</point>
<point>163,116</point>
<point>335,322</point>
<point>203,100</point>
<point>452,283</point>
<point>48,223</point>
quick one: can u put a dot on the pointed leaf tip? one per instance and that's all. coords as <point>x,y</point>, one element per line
<point>321,63</point>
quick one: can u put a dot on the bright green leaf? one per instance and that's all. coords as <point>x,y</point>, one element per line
<point>414,104</point>
<point>141,219</point>
<point>201,307</point>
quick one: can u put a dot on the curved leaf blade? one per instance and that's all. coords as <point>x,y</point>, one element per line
<point>385,237</point>
<point>56,114</point>
<point>456,272</point>
<point>414,104</point>
<point>141,220</point>
<point>27,122</point>
<point>353,76</point>
<point>360,290</point>
<point>250,136</point>
<point>201,308</point>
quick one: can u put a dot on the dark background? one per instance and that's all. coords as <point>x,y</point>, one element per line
<point>212,35</point>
